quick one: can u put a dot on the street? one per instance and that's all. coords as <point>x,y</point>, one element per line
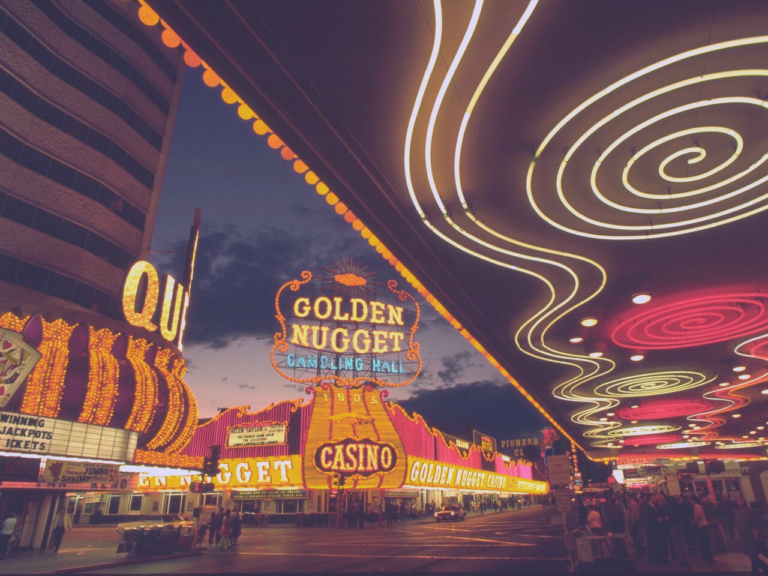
<point>521,540</point>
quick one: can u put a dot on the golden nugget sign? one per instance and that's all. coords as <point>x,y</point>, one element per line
<point>440,475</point>
<point>351,336</point>
<point>141,294</point>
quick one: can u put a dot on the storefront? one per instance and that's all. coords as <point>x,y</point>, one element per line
<point>85,403</point>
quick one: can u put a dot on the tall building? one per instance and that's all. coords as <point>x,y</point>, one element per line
<point>88,99</point>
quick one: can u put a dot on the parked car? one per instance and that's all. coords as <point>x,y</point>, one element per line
<point>452,512</point>
<point>155,521</point>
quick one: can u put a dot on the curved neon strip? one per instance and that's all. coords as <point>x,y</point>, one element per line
<point>613,87</point>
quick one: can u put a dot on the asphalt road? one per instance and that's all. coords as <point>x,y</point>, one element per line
<point>522,540</point>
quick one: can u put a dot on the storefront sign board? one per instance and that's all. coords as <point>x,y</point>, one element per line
<point>267,434</point>
<point>36,435</point>
<point>559,470</point>
<point>430,473</point>
<point>19,469</point>
<point>80,472</point>
<point>264,494</point>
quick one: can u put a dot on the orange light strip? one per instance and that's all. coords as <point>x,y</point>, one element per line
<point>150,18</point>
<point>101,394</point>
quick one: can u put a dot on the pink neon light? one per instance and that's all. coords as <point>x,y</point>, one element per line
<point>694,322</point>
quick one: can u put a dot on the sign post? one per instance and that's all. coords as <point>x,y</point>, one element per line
<point>559,473</point>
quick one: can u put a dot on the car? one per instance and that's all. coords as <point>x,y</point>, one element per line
<point>171,521</point>
<point>452,512</point>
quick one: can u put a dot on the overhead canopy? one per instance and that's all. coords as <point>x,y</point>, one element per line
<point>537,165</point>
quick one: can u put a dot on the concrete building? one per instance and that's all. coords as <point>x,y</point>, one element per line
<point>88,99</point>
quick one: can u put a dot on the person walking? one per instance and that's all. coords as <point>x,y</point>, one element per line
<point>702,532</point>
<point>713,519</point>
<point>676,533</point>
<point>616,519</point>
<point>218,525</point>
<point>635,528</point>
<point>7,528</point>
<point>725,509</point>
<point>686,520</point>
<point>226,530</point>
<point>237,527</point>
<point>212,528</point>
<point>61,523</point>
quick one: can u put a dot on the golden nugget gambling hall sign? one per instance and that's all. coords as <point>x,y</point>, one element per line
<point>349,334</point>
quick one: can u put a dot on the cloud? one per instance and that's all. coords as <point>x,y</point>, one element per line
<point>237,275</point>
<point>491,407</point>
<point>454,365</point>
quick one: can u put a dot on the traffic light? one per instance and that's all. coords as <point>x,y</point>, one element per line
<point>211,464</point>
<point>201,487</point>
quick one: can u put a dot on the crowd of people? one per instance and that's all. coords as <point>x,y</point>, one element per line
<point>666,527</point>
<point>224,529</point>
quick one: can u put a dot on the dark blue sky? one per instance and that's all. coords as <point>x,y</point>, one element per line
<point>261,226</point>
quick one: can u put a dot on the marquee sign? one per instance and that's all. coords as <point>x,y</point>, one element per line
<point>257,434</point>
<point>349,334</point>
<point>80,472</point>
<point>37,435</point>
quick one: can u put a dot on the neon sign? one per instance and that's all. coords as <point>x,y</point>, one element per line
<point>142,312</point>
<point>355,457</point>
<point>347,338</point>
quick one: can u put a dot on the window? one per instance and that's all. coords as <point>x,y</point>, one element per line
<point>211,499</point>
<point>174,503</point>
<point>136,501</point>
<point>114,504</point>
<point>289,506</point>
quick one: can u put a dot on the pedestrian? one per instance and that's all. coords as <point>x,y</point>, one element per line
<point>61,523</point>
<point>741,523</point>
<point>226,530</point>
<point>686,520</point>
<point>676,533</point>
<point>713,519</point>
<point>237,527</point>
<point>702,532</point>
<point>212,528</point>
<point>756,536</point>
<point>595,520</point>
<point>219,523</point>
<point>616,520</point>
<point>725,509</point>
<point>635,528</point>
<point>7,529</point>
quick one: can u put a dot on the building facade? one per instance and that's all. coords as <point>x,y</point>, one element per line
<point>88,99</point>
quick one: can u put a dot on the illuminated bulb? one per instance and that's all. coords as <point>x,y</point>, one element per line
<point>641,298</point>
<point>576,340</point>
<point>753,431</point>
<point>761,427</point>
<point>739,368</point>
<point>635,406</point>
<point>634,421</point>
<point>736,415</point>
<point>636,357</point>
<point>611,414</point>
<point>691,425</point>
<point>724,384</point>
<point>603,419</point>
<point>622,441</point>
<point>745,436</point>
<point>761,438</point>
<point>764,391</point>
<point>745,377</point>
<point>589,322</point>
<point>636,445</point>
<point>596,354</point>
<point>686,436</point>
<point>696,427</point>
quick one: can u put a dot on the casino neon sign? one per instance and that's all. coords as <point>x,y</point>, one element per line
<point>347,339</point>
<point>355,457</point>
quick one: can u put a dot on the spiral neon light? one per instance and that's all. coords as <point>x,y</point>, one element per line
<point>743,204</point>
<point>683,445</point>
<point>652,384</point>
<point>737,445</point>
<point>694,322</point>
<point>643,430</point>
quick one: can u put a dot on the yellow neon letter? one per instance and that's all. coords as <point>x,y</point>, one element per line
<point>142,319</point>
<point>301,307</point>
